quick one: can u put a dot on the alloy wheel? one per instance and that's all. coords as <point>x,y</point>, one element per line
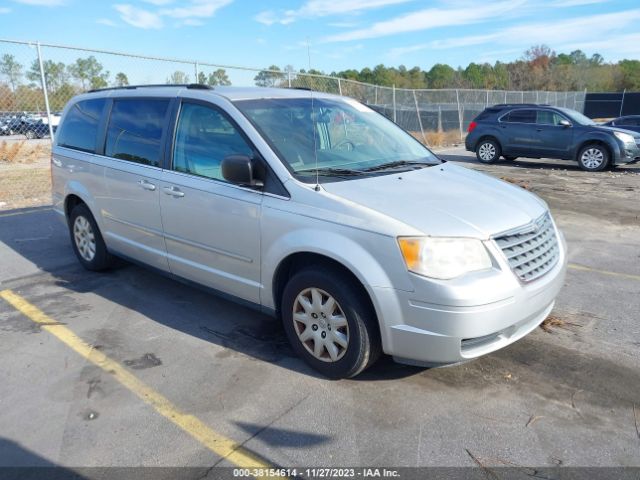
<point>487,152</point>
<point>592,158</point>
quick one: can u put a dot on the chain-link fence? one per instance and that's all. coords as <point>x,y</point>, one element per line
<point>37,80</point>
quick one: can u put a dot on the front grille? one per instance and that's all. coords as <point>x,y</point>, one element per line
<point>531,251</point>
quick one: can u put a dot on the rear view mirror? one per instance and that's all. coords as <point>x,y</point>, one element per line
<point>238,169</point>
<point>565,123</point>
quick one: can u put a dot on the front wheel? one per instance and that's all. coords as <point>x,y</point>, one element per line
<point>593,158</point>
<point>330,322</point>
<point>87,241</point>
<point>488,151</point>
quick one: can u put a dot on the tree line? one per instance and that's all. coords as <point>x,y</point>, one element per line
<point>21,87</point>
<point>539,68</point>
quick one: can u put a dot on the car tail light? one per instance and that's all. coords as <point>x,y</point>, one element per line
<point>472,125</point>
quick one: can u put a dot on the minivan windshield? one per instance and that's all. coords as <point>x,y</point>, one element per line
<point>577,117</point>
<point>348,138</point>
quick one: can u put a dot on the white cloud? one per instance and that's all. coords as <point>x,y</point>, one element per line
<point>575,3</point>
<point>564,35</point>
<point>196,8</point>
<point>323,8</point>
<point>138,17</point>
<point>107,22</point>
<point>43,3</point>
<point>431,18</point>
<point>189,13</point>
<point>4,10</point>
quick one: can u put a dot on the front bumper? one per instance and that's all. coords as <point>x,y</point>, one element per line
<point>466,318</point>
<point>629,153</point>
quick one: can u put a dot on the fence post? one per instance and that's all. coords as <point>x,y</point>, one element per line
<point>486,102</point>
<point>44,91</point>
<point>424,137</point>
<point>395,115</point>
<point>375,94</point>
<point>622,101</point>
<point>439,118</point>
<point>339,86</point>
<point>289,78</point>
<point>537,97</point>
<point>195,66</point>
<point>459,113</point>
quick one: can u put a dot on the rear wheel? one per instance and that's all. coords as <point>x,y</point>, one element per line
<point>330,322</point>
<point>87,241</point>
<point>488,151</point>
<point>30,134</point>
<point>593,158</point>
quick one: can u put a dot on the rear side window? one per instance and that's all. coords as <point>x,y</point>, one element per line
<point>484,115</point>
<point>520,116</point>
<point>135,128</point>
<point>80,128</point>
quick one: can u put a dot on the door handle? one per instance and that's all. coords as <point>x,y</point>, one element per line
<point>146,185</point>
<point>538,129</point>
<point>173,191</point>
<point>56,162</point>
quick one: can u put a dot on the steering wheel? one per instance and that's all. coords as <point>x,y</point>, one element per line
<point>345,143</point>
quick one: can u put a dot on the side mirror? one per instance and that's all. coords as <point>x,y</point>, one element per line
<point>565,123</point>
<point>238,169</point>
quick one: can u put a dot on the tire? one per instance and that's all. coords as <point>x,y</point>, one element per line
<point>488,151</point>
<point>593,157</point>
<point>509,158</point>
<point>30,134</point>
<point>92,252</point>
<point>354,318</point>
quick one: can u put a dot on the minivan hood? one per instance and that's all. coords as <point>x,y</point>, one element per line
<point>444,200</point>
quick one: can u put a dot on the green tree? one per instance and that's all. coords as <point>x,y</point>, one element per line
<point>89,72</point>
<point>11,69</point>
<point>178,77</point>
<point>218,77</point>
<point>441,76</point>
<point>121,79</point>
<point>55,74</point>
<point>270,77</point>
<point>630,73</point>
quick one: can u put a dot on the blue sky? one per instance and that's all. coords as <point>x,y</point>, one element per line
<point>342,33</point>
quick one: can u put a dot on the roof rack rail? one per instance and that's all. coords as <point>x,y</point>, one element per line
<point>194,86</point>
<point>504,105</point>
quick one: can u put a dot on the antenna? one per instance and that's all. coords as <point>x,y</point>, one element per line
<point>313,123</point>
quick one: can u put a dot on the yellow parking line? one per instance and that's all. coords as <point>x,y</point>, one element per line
<point>13,214</point>
<point>583,268</point>
<point>217,443</point>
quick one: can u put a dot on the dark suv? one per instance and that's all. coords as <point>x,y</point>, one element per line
<point>543,131</point>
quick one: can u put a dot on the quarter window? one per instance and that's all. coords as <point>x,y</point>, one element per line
<point>135,130</point>
<point>80,127</point>
<point>521,116</point>
<point>204,136</point>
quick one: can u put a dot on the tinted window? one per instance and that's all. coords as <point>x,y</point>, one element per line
<point>135,130</point>
<point>204,137</point>
<point>80,127</point>
<point>485,114</point>
<point>547,117</point>
<point>521,116</point>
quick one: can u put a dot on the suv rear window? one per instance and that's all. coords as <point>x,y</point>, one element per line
<point>520,116</point>
<point>80,128</point>
<point>135,130</point>
<point>486,113</point>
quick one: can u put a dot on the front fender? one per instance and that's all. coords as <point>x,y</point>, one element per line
<point>605,138</point>
<point>356,254</point>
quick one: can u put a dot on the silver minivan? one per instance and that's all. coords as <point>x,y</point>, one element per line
<point>311,207</point>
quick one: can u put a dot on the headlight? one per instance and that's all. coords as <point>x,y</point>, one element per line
<point>625,137</point>
<point>444,258</point>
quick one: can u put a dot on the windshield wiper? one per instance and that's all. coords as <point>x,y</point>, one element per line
<point>339,172</point>
<point>396,164</point>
